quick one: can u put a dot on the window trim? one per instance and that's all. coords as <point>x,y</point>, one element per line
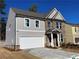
<point>25,22</point>
<point>75,29</point>
<point>75,41</point>
<point>35,24</point>
<point>48,23</point>
<point>61,35</point>
<point>58,24</point>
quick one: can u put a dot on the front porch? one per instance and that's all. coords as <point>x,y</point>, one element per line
<point>54,38</point>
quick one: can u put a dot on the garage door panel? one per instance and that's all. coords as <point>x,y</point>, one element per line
<point>31,42</point>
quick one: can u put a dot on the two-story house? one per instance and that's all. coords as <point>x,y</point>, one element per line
<point>26,29</point>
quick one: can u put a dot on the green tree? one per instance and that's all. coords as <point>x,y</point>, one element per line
<point>33,8</point>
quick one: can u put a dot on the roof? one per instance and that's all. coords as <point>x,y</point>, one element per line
<point>54,12</point>
<point>22,13</point>
<point>53,30</point>
<point>26,13</point>
<point>72,24</point>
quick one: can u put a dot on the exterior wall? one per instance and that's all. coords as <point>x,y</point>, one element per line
<point>46,28</point>
<point>59,16</point>
<point>10,29</point>
<point>75,34</point>
<point>67,31</point>
<point>31,31</point>
<point>53,24</point>
<point>55,14</point>
<point>52,13</point>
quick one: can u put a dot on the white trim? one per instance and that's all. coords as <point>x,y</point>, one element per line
<point>74,40</point>
<point>31,30</point>
<point>52,42</point>
<point>25,23</point>
<point>61,37</point>
<point>61,15</point>
<point>24,44</point>
<point>35,23</point>
<point>51,12</point>
<point>58,38</point>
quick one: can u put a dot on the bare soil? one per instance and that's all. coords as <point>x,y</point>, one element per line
<point>72,49</point>
<point>6,54</point>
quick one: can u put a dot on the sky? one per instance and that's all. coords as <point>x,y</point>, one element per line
<point>68,8</point>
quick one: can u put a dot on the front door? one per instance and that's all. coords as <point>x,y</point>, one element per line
<point>55,39</point>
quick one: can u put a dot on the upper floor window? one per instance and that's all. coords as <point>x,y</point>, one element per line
<point>49,23</point>
<point>27,22</point>
<point>37,23</point>
<point>58,25</point>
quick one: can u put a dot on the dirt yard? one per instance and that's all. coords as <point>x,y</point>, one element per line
<point>6,54</point>
<point>72,50</point>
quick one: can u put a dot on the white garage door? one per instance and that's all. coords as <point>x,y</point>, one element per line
<point>31,42</point>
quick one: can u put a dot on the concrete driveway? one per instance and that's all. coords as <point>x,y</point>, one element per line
<point>46,53</point>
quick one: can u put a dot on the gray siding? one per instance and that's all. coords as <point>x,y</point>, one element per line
<point>31,31</point>
<point>10,29</point>
<point>20,24</point>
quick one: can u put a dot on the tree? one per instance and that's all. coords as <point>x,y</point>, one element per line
<point>2,20</point>
<point>2,12</point>
<point>33,8</point>
<point>2,7</point>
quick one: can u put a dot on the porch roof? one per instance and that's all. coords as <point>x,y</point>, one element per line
<point>54,30</point>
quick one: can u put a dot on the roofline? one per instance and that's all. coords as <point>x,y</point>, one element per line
<point>44,18</point>
<point>51,12</point>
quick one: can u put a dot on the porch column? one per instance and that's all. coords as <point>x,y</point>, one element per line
<point>52,42</point>
<point>58,39</point>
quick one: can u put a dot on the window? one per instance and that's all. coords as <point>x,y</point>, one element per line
<point>49,23</point>
<point>37,23</point>
<point>58,25</point>
<point>75,29</point>
<point>27,22</point>
<point>62,38</point>
<point>76,40</point>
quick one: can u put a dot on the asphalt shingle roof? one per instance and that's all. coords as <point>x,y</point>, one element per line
<point>28,13</point>
<point>25,13</point>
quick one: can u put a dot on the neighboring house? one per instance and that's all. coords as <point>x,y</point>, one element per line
<point>27,29</point>
<point>75,33</point>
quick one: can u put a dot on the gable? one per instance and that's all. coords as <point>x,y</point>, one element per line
<point>59,16</point>
<point>55,14</point>
<point>52,13</point>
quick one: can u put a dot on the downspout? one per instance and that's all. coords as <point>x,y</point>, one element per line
<point>15,35</point>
